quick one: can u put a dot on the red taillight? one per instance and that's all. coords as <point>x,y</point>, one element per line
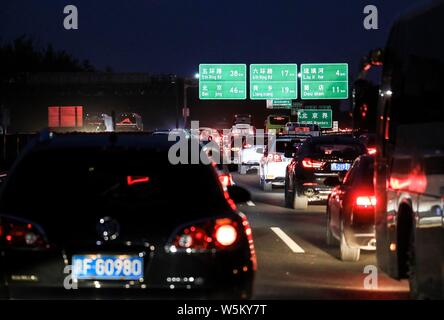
<point>226,180</point>
<point>219,234</point>
<point>15,233</point>
<point>249,235</point>
<point>273,157</point>
<point>225,235</point>
<point>365,201</point>
<point>371,150</point>
<point>132,180</point>
<point>312,163</point>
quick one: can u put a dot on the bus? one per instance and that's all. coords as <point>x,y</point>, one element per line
<point>276,123</point>
<point>409,165</point>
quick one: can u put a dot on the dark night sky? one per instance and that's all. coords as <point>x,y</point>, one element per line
<point>161,36</point>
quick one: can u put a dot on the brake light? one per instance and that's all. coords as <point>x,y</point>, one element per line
<point>226,235</point>
<point>273,157</point>
<point>19,234</point>
<point>249,234</point>
<point>226,180</point>
<point>132,180</point>
<point>365,201</point>
<point>371,150</point>
<point>312,163</point>
<point>218,234</point>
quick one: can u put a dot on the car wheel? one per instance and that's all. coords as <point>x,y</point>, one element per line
<point>330,240</point>
<point>299,202</point>
<point>267,186</point>
<point>348,253</point>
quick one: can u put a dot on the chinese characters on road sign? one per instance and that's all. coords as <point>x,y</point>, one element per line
<point>222,81</point>
<point>273,81</point>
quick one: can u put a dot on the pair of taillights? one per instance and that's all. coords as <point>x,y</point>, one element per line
<point>274,157</point>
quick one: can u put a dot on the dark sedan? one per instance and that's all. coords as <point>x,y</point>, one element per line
<point>351,210</point>
<point>107,215</point>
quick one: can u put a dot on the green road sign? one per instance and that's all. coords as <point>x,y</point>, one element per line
<point>279,104</point>
<point>273,81</point>
<point>222,81</point>
<point>323,118</point>
<point>324,81</point>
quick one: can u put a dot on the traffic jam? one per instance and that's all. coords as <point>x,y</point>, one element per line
<point>260,176</point>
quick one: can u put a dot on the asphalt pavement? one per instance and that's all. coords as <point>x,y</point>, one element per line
<point>294,261</point>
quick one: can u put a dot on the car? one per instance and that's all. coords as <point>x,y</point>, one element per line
<point>242,118</point>
<point>274,162</point>
<point>109,215</point>
<point>209,134</point>
<point>351,210</point>
<point>317,159</point>
<point>252,152</point>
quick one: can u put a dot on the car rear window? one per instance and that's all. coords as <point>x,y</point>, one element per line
<point>335,149</point>
<point>56,181</point>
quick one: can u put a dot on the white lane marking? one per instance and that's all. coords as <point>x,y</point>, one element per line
<point>287,240</point>
<point>250,204</point>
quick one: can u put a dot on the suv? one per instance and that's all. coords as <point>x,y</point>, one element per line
<point>277,155</point>
<point>317,159</point>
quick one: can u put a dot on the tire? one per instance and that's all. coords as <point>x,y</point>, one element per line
<point>348,253</point>
<point>329,239</point>
<point>299,202</point>
<point>267,186</point>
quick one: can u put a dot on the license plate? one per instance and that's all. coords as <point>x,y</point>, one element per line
<point>107,267</point>
<point>340,166</point>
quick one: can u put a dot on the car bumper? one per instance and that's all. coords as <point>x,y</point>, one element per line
<point>275,172</point>
<point>166,274</point>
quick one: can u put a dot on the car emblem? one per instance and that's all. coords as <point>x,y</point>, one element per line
<point>108,228</point>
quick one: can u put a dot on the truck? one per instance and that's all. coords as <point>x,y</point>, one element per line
<point>409,170</point>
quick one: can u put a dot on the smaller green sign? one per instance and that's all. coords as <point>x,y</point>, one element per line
<point>279,104</point>
<point>222,81</point>
<point>323,118</point>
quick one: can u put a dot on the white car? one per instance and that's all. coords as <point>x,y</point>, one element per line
<point>274,162</point>
<point>250,158</point>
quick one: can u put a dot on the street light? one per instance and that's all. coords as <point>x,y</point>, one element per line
<point>196,75</point>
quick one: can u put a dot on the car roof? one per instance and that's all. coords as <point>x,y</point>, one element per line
<point>102,140</point>
<point>333,139</point>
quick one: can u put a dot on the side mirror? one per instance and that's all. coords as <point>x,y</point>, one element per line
<point>332,181</point>
<point>238,194</point>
